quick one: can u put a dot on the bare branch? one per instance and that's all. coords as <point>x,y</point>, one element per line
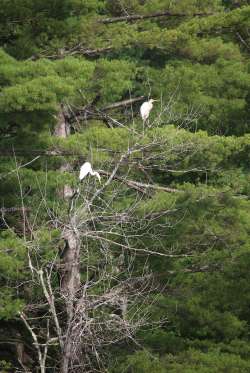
<point>136,17</point>
<point>51,301</point>
<point>123,103</point>
<point>142,187</point>
<point>139,250</point>
<point>3,210</point>
<point>36,344</point>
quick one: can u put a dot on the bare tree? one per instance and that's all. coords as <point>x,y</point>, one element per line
<point>98,290</point>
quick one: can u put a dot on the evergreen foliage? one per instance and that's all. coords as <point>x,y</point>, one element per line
<point>186,184</point>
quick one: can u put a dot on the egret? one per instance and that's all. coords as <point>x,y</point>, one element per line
<point>86,169</point>
<point>145,109</point>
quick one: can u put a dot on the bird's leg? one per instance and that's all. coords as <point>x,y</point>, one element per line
<point>143,127</point>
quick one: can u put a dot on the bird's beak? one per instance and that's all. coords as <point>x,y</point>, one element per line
<point>155,100</point>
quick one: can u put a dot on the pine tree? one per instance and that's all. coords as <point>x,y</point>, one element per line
<point>88,268</point>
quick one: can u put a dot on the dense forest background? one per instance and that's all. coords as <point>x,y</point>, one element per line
<point>148,270</point>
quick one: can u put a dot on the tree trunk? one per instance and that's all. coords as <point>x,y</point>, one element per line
<point>62,128</point>
<point>70,284</point>
<point>70,258</point>
<point>71,277</point>
<point>64,367</point>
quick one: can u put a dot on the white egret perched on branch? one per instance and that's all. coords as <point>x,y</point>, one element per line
<point>86,169</point>
<point>145,109</point>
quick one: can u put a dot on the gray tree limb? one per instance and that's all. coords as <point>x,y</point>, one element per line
<point>142,187</point>
<point>136,17</point>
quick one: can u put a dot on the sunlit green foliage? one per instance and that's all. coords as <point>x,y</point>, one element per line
<point>60,54</point>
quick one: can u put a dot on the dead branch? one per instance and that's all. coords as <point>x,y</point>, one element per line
<point>76,50</point>
<point>92,52</point>
<point>41,356</point>
<point>91,112</point>
<point>242,41</point>
<point>136,17</point>
<point>123,103</point>
<point>48,293</point>
<point>3,210</point>
<point>138,250</point>
<point>141,186</point>
<point>17,167</point>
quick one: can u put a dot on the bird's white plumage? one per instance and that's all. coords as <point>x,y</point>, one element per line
<point>86,169</point>
<point>145,109</point>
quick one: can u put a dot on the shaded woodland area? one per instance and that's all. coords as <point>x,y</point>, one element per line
<point>146,271</point>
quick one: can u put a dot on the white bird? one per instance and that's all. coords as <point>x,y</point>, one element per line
<point>86,169</point>
<point>145,109</point>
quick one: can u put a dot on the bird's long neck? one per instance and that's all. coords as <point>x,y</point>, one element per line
<point>95,173</point>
